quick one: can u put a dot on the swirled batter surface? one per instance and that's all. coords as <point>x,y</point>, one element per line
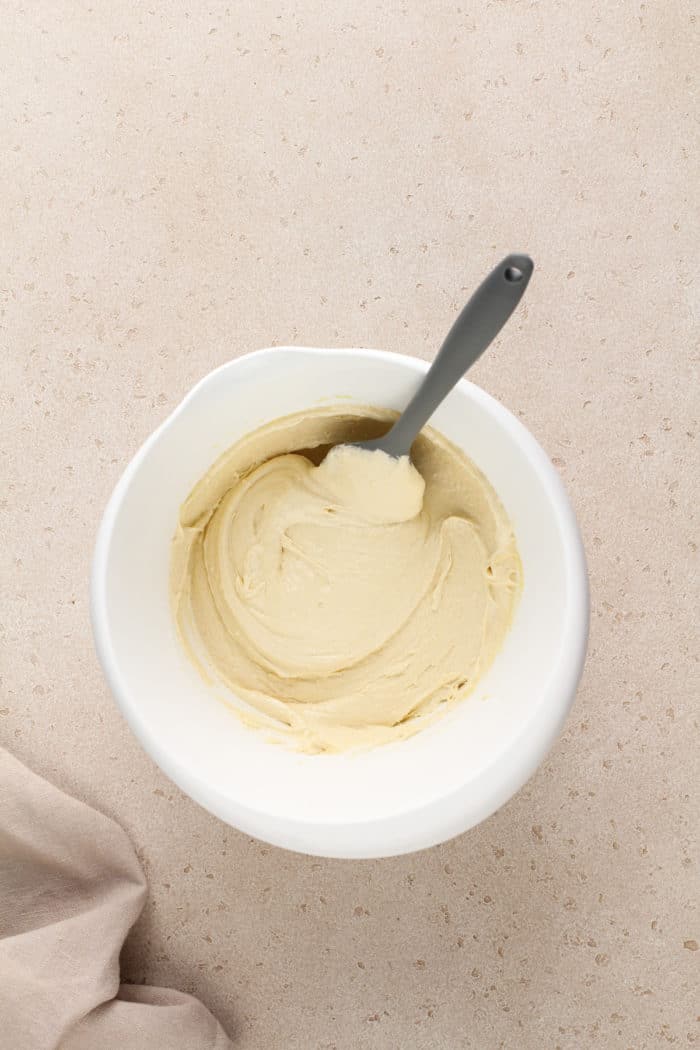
<point>349,599</point>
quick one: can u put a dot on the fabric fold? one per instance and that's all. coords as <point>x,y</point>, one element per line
<point>71,888</point>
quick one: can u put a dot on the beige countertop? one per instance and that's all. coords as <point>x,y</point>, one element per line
<point>184,183</point>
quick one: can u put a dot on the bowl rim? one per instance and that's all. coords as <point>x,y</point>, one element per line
<point>441,818</point>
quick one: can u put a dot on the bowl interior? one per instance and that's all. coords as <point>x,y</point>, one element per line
<point>196,738</point>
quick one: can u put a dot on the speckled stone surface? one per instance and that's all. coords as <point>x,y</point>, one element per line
<point>183,183</point>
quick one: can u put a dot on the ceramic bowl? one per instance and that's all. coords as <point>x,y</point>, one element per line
<point>393,799</point>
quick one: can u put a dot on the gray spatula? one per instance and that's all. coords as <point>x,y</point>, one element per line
<point>478,325</point>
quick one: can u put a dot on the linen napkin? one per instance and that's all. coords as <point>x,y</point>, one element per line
<point>70,890</point>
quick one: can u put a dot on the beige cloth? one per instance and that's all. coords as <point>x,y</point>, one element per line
<point>70,890</point>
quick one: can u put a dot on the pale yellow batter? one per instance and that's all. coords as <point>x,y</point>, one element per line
<point>346,603</point>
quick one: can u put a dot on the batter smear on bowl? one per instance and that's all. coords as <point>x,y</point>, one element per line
<point>346,597</point>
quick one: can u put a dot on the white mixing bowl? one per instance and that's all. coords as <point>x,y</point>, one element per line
<point>393,799</point>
